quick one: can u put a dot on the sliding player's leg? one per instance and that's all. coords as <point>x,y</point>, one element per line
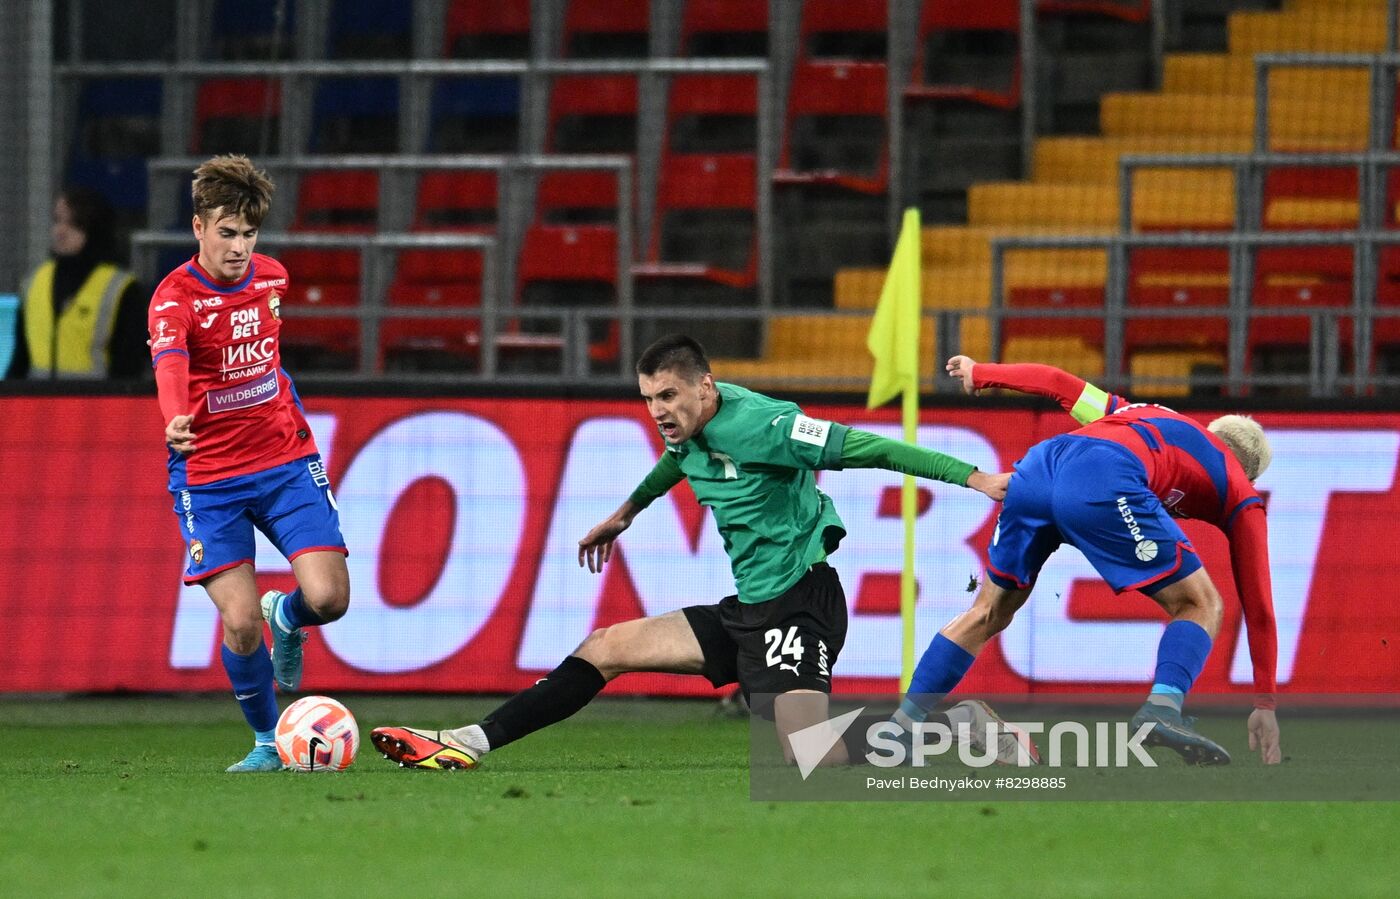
<point>246,661</point>
<point>666,644</point>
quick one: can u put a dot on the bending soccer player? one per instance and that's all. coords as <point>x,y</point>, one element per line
<point>1111,489</point>
<point>241,454</point>
<point>750,459</point>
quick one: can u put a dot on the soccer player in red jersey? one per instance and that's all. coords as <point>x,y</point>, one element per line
<point>241,454</point>
<point>1112,489</point>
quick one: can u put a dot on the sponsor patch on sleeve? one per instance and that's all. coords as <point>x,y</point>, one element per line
<point>810,430</point>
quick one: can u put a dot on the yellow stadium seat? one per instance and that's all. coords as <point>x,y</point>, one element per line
<point>1168,372</point>
<point>1317,30</point>
<point>1072,355</point>
<point>1095,159</point>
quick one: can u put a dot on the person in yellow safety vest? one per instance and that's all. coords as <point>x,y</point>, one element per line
<point>80,314</point>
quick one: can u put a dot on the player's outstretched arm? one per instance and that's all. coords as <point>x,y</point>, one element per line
<point>863,449</point>
<point>596,547</point>
<point>1074,394</point>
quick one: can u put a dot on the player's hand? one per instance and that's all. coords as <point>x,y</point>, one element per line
<point>179,436</point>
<point>1263,736</point>
<point>596,547</point>
<point>993,485</point>
<point>960,367</point>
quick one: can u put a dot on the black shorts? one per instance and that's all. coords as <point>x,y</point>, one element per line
<point>787,643</point>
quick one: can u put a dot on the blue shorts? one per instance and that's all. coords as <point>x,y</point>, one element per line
<point>1093,495</point>
<point>291,504</point>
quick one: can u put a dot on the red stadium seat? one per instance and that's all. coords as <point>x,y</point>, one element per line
<point>702,198</point>
<point>456,201</point>
<point>234,114</point>
<point>577,198</point>
<point>487,29</point>
<point>607,28</point>
<point>944,18</point>
<point>568,265</point>
<point>836,127</point>
<point>321,279</point>
<point>1089,300</point>
<point>844,29</point>
<point>434,279</point>
<point>1310,277</point>
<point>725,28</point>
<point>338,201</point>
<point>1283,183</point>
<point>712,114</point>
<point>593,114</point>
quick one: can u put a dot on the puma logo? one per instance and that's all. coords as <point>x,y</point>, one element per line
<point>786,667</point>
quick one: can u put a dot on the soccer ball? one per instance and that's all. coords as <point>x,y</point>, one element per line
<point>316,733</point>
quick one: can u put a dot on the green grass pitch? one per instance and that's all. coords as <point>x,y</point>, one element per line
<point>127,797</point>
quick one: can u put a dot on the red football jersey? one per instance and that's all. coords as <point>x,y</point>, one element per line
<point>1190,469</point>
<point>247,416</point>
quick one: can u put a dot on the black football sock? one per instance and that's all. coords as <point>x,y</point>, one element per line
<point>553,698</point>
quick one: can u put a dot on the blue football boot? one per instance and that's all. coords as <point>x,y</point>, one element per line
<point>286,645</point>
<point>262,758</point>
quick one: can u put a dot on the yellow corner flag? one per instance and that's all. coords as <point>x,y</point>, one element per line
<point>894,342</point>
<point>894,333</point>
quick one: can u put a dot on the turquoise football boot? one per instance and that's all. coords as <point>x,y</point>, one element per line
<point>286,645</point>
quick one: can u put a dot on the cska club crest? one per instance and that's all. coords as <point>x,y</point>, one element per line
<point>274,303</point>
<point>197,551</point>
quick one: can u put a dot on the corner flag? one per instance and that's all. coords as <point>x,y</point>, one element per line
<point>894,342</point>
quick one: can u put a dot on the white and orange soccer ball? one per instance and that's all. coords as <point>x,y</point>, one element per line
<point>316,733</point>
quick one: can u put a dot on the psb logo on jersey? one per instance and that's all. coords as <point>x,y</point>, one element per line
<point>197,551</point>
<point>274,304</point>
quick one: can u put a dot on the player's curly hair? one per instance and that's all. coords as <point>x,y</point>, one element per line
<point>675,352</point>
<point>230,185</point>
<point>1246,440</point>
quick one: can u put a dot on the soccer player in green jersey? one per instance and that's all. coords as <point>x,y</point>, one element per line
<point>749,458</point>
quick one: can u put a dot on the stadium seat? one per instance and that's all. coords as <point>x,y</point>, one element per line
<point>593,114</point>
<point>321,279</point>
<point>606,29</point>
<point>712,114</point>
<point>488,29</point>
<point>1309,277</point>
<point>475,115</point>
<point>836,127</point>
<point>345,201</point>
<point>988,68</point>
<point>724,28</point>
<point>1343,30</point>
<point>1087,300</point>
<point>355,115</point>
<point>369,29</point>
<point>237,115</point>
<point>577,198</point>
<point>1062,352</point>
<point>568,265</point>
<point>1163,373</point>
<point>1310,198</point>
<point>252,30</point>
<point>705,219</point>
<point>433,279</point>
<point>456,201</point>
<point>844,29</point>
<point>118,128</point>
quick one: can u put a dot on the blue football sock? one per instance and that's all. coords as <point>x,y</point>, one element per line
<point>251,676</point>
<point>293,612</point>
<point>943,664</point>
<point>1181,655</point>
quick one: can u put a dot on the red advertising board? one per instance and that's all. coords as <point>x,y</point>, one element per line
<point>463,516</point>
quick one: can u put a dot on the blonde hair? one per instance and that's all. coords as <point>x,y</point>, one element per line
<point>1246,440</point>
<point>230,185</point>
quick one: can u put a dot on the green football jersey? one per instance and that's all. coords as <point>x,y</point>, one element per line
<point>752,465</point>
